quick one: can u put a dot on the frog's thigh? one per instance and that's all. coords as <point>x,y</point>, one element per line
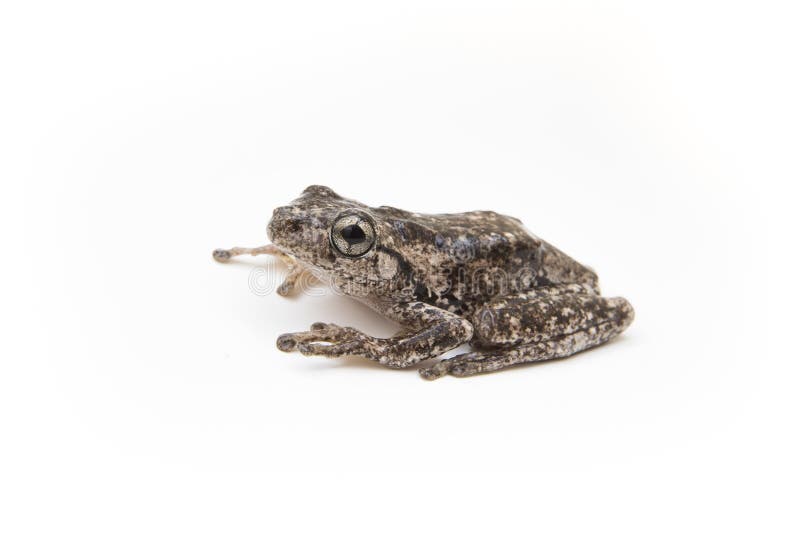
<point>546,314</point>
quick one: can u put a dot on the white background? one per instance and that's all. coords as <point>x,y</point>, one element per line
<point>140,388</point>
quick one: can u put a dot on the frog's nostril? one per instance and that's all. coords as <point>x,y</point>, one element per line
<point>292,225</point>
<point>283,225</point>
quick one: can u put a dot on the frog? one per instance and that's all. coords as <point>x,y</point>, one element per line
<point>479,279</point>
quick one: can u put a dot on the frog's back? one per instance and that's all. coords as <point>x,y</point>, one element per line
<point>497,241</point>
<point>478,255</point>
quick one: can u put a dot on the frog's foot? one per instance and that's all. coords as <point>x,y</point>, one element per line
<point>455,366</point>
<point>473,363</point>
<point>295,274</point>
<point>327,339</point>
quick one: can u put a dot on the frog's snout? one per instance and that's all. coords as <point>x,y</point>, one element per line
<point>276,222</point>
<point>286,226</point>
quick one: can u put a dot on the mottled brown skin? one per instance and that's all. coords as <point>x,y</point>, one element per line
<point>449,279</point>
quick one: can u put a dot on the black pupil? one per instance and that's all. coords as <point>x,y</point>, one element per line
<point>353,234</point>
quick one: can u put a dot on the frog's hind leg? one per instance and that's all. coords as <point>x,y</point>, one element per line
<point>473,363</point>
<point>296,271</point>
<point>542,325</point>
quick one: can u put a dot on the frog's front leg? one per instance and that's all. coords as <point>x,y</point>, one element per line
<point>428,332</point>
<point>295,270</point>
<point>544,324</point>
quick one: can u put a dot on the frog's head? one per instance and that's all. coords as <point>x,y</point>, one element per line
<point>342,240</point>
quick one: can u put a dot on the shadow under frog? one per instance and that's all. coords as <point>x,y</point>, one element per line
<point>476,277</point>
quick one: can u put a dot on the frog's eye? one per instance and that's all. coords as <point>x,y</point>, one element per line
<point>353,234</point>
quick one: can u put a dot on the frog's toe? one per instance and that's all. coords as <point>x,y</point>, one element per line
<point>290,283</point>
<point>286,342</point>
<point>221,255</point>
<point>435,371</point>
<point>286,288</point>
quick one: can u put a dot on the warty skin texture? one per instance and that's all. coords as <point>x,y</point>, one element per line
<point>448,279</point>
